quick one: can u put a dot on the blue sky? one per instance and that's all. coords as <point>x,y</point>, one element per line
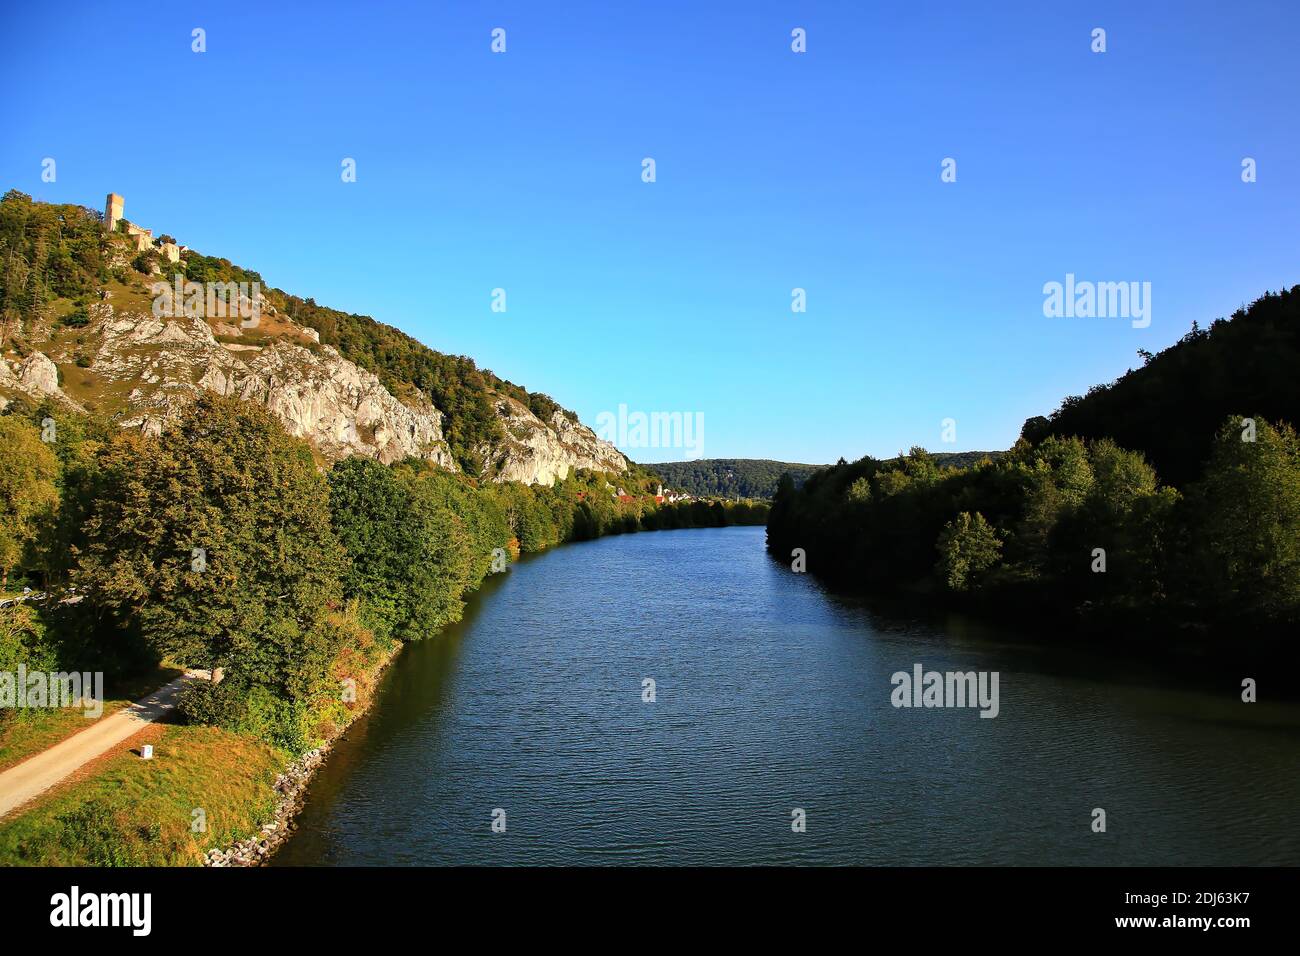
<point>775,170</point>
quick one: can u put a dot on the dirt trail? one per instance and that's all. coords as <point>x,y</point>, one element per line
<point>35,775</point>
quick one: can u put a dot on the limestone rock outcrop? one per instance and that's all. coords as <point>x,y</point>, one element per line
<point>37,373</point>
<point>538,452</point>
<point>35,377</point>
<point>144,370</point>
<point>318,395</point>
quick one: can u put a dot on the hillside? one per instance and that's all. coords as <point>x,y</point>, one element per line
<point>1171,407</point>
<point>80,325</point>
<point>1166,504</point>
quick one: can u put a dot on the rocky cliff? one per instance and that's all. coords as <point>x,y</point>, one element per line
<point>142,370</point>
<point>105,322</point>
<point>538,452</point>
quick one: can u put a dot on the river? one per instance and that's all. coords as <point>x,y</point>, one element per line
<point>771,697</point>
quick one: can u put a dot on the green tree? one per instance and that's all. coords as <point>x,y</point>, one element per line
<point>448,564</point>
<point>215,542</point>
<point>968,546</point>
<point>1246,513</point>
<point>410,555</point>
<point>29,494</point>
<point>370,511</point>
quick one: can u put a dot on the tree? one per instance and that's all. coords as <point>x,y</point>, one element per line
<point>1246,511</point>
<point>968,546</point>
<point>29,495</point>
<point>409,554</point>
<point>1058,478</point>
<point>448,564</point>
<point>371,515</point>
<point>215,541</point>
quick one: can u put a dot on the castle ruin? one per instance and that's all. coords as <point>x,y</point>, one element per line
<point>144,240</point>
<point>113,212</point>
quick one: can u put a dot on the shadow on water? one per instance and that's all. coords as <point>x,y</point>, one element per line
<point>773,694</point>
<point>1130,659</point>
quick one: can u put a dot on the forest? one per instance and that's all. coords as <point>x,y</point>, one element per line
<point>731,477</point>
<point>759,477</point>
<point>1166,503</point>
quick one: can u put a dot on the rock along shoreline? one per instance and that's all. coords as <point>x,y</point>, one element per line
<point>291,787</point>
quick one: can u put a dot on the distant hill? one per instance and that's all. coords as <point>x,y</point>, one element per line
<point>728,477</point>
<point>758,477</point>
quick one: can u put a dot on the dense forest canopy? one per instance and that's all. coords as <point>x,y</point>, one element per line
<point>1168,501</point>
<point>758,477</point>
<point>1170,408</point>
<point>730,477</point>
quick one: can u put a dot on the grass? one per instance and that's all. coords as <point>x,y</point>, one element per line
<point>131,812</point>
<point>120,810</point>
<point>29,732</point>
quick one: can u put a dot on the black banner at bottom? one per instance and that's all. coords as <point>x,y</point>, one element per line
<point>145,907</point>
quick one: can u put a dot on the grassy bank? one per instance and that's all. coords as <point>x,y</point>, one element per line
<point>27,734</point>
<point>121,810</point>
<point>124,811</point>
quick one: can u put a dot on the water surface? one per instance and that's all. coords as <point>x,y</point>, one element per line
<point>772,695</point>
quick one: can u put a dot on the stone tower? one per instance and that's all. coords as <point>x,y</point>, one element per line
<point>113,211</point>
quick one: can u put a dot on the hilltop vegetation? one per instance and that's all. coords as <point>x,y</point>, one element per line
<point>1082,529</point>
<point>54,259</point>
<point>1171,408</point>
<point>47,252</point>
<point>730,477</point>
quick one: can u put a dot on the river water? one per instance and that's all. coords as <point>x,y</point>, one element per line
<point>771,697</point>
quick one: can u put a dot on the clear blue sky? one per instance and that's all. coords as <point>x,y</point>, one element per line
<point>775,170</point>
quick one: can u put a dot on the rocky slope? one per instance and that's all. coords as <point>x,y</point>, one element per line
<point>142,370</point>
<point>538,452</point>
<point>35,377</point>
<point>82,323</point>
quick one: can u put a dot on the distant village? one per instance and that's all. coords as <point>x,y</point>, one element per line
<point>660,496</point>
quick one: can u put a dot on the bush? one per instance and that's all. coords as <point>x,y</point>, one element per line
<point>249,709</point>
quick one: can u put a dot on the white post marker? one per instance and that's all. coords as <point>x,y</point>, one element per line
<point>146,752</point>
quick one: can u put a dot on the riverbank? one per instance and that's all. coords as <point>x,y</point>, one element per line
<point>1142,643</point>
<point>209,796</point>
<point>290,786</point>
